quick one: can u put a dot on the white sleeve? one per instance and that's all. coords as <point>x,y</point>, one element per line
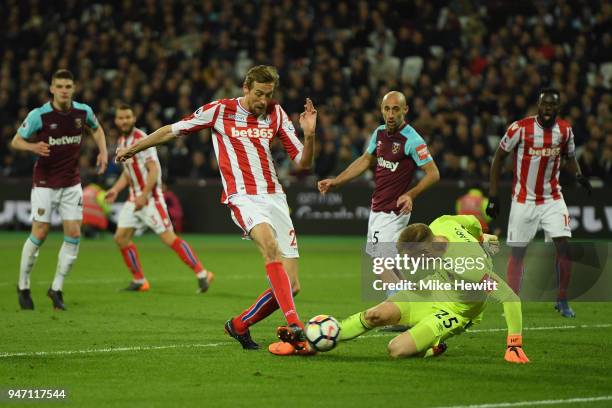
<point>203,118</point>
<point>511,138</point>
<point>287,135</point>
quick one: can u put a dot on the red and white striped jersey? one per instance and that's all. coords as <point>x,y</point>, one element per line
<point>537,155</point>
<point>136,167</point>
<point>242,144</point>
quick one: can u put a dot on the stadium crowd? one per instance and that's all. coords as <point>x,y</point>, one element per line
<point>468,69</point>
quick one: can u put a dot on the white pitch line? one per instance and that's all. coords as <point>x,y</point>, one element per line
<point>532,403</point>
<point>111,350</point>
<point>225,343</point>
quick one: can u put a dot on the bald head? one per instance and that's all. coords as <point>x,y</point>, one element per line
<point>394,98</point>
<point>394,109</point>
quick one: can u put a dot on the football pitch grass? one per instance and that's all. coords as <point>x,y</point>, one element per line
<point>167,347</point>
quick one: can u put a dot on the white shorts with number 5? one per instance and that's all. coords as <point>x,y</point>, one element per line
<point>384,228</point>
<point>154,215</point>
<point>68,201</point>
<point>526,218</point>
<point>249,210</point>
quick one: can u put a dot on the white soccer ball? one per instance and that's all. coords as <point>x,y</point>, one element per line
<point>322,332</point>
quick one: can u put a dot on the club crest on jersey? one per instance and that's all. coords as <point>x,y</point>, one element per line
<point>53,126</point>
<point>78,123</point>
<point>41,212</point>
<point>395,148</point>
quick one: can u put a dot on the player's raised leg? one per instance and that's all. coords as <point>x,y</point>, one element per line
<point>264,237</point>
<point>29,253</point>
<point>66,258</point>
<point>129,252</point>
<point>188,256</point>
<point>266,303</point>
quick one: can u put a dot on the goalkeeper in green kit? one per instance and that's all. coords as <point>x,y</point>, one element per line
<point>444,313</point>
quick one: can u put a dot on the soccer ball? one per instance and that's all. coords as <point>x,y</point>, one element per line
<point>322,332</point>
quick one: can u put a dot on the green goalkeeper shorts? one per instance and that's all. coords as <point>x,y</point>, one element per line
<point>431,323</point>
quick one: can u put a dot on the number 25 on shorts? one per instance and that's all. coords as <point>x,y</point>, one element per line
<point>447,322</point>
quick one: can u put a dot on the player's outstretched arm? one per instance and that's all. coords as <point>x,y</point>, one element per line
<point>355,169</point>
<point>102,159</point>
<point>160,136</point>
<point>492,209</point>
<point>121,183</point>
<point>308,123</point>
<point>40,148</point>
<point>514,320</point>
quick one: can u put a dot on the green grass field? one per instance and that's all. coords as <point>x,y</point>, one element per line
<point>167,347</point>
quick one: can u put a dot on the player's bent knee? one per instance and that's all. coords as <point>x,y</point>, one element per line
<point>375,317</point>
<point>401,347</point>
<point>40,230</point>
<point>397,351</point>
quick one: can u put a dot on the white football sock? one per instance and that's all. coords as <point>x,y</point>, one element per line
<point>29,253</point>
<point>67,255</point>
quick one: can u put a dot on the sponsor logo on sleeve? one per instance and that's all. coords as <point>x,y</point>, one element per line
<point>422,152</point>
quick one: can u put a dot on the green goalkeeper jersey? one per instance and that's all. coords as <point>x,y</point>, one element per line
<point>469,268</point>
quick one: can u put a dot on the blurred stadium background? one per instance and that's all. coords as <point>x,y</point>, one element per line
<point>468,68</point>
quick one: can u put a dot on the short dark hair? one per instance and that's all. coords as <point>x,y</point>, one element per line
<point>123,106</point>
<point>550,91</point>
<point>264,74</point>
<point>62,74</point>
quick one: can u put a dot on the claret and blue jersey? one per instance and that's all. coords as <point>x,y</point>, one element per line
<point>63,131</point>
<point>397,157</point>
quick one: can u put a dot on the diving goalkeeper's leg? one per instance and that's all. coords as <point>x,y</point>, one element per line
<point>383,314</point>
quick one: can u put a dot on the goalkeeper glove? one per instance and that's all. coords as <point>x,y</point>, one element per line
<point>514,352</point>
<point>490,243</point>
<point>584,182</point>
<point>492,209</point>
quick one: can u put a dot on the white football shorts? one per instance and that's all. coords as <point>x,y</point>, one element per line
<point>68,201</point>
<point>384,228</point>
<point>249,210</point>
<point>154,215</point>
<point>526,218</point>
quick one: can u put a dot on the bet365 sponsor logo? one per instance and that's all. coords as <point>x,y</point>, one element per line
<point>387,164</point>
<point>64,140</point>
<point>255,133</point>
<point>545,152</point>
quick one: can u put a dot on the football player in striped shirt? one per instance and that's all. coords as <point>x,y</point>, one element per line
<point>242,131</point>
<point>537,144</point>
<point>146,206</point>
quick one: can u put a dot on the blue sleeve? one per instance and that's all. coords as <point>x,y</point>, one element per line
<point>371,149</point>
<point>416,148</point>
<point>91,119</point>
<point>31,124</point>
